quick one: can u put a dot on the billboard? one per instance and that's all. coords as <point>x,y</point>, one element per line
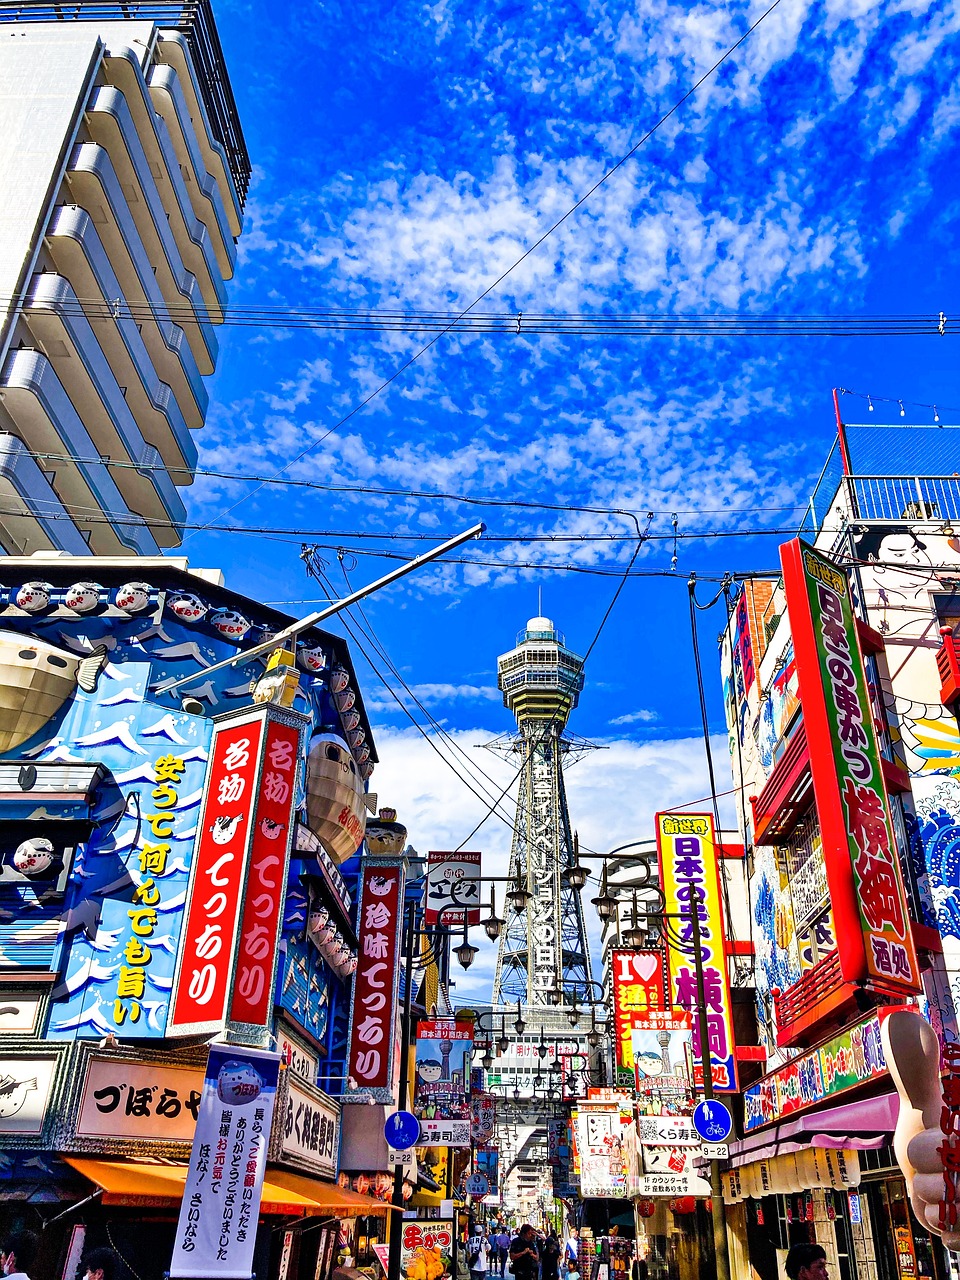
<point>603,1151</point>
<point>217,1228</point>
<point>452,878</point>
<point>862,866</point>
<point>689,873</point>
<point>373,1009</point>
<point>639,989</point>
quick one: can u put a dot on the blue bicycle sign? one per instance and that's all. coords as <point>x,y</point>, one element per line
<point>713,1121</point>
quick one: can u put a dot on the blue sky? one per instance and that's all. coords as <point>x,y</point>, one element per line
<point>405,154</point>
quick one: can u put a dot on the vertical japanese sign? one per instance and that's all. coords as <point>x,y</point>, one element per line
<point>217,1228</point>
<point>453,881</point>
<point>599,1135</point>
<point>863,870</point>
<point>487,1162</point>
<point>483,1118</point>
<point>442,1092</point>
<point>690,879</point>
<point>201,986</point>
<point>375,983</point>
<point>263,901</point>
<point>638,991</point>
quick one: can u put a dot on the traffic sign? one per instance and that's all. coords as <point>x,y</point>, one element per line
<point>714,1151</point>
<point>478,1184</point>
<point>712,1120</point>
<point>402,1130</point>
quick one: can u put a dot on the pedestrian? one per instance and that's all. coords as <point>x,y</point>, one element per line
<point>550,1258</point>
<point>807,1262</point>
<point>478,1253</point>
<point>502,1242</point>
<point>17,1252</point>
<point>100,1264</point>
<point>573,1269</point>
<point>571,1250</point>
<point>524,1254</point>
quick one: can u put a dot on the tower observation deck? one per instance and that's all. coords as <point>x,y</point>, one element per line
<point>543,957</point>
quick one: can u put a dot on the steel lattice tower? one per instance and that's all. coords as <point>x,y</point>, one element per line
<point>543,948</point>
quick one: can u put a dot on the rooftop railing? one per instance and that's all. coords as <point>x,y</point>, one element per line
<point>194,20</point>
<point>885,500</point>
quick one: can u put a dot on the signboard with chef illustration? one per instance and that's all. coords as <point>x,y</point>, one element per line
<point>453,886</point>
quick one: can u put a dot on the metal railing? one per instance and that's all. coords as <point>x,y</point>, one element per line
<point>195,21</point>
<point>886,500</point>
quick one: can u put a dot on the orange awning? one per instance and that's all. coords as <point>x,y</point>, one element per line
<point>148,1184</point>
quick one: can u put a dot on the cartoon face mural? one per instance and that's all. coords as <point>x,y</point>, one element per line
<point>106,913</point>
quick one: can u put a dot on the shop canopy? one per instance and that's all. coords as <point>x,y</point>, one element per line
<point>148,1184</point>
<point>864,1125</point>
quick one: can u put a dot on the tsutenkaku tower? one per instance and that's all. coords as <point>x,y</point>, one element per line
<point>543,948</point>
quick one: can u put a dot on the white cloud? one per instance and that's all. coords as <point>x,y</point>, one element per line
<point>643,716</point>
<point>429,694</point>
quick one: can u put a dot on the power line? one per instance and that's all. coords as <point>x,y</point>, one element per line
<point>421,351</point>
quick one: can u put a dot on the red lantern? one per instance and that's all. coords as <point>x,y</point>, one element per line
<point>646,1208</point>
<point>361,1183</point>
<point>683,1204</point>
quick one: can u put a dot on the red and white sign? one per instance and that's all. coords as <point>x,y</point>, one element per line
<point>374,1007</point>
<point>225,830</point>
<point>453,886</point>
<point>267,877</point>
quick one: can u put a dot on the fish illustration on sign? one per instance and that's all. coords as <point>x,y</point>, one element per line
<point>224,828</point>
<point>36,679</point>
<point>13,1094</point>
<point>335,801</point>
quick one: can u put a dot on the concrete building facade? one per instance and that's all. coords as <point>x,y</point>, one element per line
<point>123,173</point>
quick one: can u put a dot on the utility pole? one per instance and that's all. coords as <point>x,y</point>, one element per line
<point>720,1250</point>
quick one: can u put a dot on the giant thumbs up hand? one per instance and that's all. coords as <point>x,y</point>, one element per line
<point>912,1052</point>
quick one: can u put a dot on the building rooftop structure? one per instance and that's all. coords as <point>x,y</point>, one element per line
<point>541,678</point>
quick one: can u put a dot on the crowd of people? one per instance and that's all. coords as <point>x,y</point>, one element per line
<point>528,1255</point>
<point>19,1249</point>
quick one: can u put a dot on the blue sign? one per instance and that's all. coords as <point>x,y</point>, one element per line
<point>713,1121</point>
<point>401,1130</point>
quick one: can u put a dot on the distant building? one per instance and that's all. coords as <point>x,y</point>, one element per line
<point>123,173</point>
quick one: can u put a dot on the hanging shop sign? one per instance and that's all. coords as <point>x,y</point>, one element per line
<point>674,1184</point>
<point>139,1101</point>
<point>689,874</point>
<point>217,1228</point>
<point>426,1249</point>
<point>852,1057</point>
<point>639,990</point>
<point>669,1159</point>
<point>25,1088</point>
<point>483,1118</point>
<point>600,1151</point>
<point>442,1087</point>
<point>201,987</point>
<point>373,1008</point>
<point>453,886</point>
<point>299,1060</point>
<point>308,1128</point>
<point>859,848</point>
<point>486,1161</point>
<point>667,1131</point>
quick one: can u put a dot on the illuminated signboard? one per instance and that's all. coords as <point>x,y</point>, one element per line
<point>689,873</point>
<point>859,849</point>
<point>374,1006</point>
<point>638,991</point>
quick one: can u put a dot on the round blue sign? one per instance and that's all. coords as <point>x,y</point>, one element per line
<point>713,1121</point>
<point>402,1130</point>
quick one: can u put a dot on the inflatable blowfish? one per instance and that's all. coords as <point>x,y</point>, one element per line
<point>36,679</point>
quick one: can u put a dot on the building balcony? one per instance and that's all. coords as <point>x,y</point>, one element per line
<point>948,664</point>
<point>80,257</point>
<point>818,994</point>
<point>44,414</point>
<point>95,186</point>
<point>786,794</point>
<point>34,518</point>
<point>56,321</point>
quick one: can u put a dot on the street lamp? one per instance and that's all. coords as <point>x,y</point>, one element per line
<point>487,1060</point>
<point>466,953</point>
<point>503,1044</point>
<point>573,1016</point>
<point>519,1026</point>
<point>575,875</point>
<point>634,936</point>
<point>519,895</point>
<point>493,924</point>
<point>606,903</point>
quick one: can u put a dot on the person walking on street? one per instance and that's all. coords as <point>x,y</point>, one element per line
<point>572,1248</point>
<point>524,1254</point>
<point>478,1254</point>
<point>502,1242</point>
<point>17,1252</point>
<point>100,1264</point>
<point>550,1258</point>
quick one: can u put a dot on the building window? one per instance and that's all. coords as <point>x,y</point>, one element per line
<point>801,864</point>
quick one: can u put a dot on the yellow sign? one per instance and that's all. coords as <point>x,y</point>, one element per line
<point>690,879</point>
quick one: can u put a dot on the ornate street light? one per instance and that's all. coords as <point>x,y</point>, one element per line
<point>466,953</point>
<point>575,875</point>
<point>503,1044</point>
<point>634,936</point>
<point>606,903</point>
<point>573,1016</point>
<point>519,1026</point>
<point>519,895</point>
<point>487,1060</point>
<point>493,924</point>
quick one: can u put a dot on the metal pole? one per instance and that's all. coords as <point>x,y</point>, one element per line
<point>311,620</point>
<point>396,1226</point>
<point>721,1254</point>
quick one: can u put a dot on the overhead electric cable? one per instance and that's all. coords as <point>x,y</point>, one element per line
<point>421,351</point>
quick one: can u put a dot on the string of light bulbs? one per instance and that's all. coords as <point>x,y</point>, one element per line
<point>873,401</point>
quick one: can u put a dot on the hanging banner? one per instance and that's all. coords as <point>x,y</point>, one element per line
<point>373,1009</point>
<point>859,849</point>
<point>483,1118</point>
<point>453,881</point>
<point>600,1152</point>
<point>217,1228</point>
<point>639,990</point>
<point>441,1099</point>
<point>486,1161</point>
<point>689,874</point>
<point>252,1003</point>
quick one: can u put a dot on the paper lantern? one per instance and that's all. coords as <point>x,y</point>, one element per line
<point>646,1208</point>
<point>683,1204</point>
